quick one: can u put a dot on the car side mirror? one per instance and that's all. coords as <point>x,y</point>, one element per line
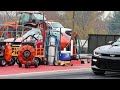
<point>110,42</point>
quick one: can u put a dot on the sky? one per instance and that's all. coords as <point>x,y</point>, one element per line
<point>107,13</point>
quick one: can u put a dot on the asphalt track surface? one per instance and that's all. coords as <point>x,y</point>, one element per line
<point>78,71</point>
<point>85,73</point>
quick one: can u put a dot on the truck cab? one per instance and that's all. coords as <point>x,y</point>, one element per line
<point>56,26</point>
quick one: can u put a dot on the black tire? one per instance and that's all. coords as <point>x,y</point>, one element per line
<point>39,61</point>
<point>3,62</point>
<point>17,61</point>
<point>36,64</point>
<point>27,65</point>
<point>98,72</point>
<point>12,62</point>
<point>19,64</point>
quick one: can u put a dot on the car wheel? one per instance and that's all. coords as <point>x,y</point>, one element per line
<point>98,72</point>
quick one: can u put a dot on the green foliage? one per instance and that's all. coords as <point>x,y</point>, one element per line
<point>86,22</point>
<point>114,23</point>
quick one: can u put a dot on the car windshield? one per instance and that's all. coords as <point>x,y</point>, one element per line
<point>56,25</point>
<point>32,32</point>
<point>117,43</point>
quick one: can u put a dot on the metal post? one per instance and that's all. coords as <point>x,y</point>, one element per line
<point>16,30</point>
<point>72,36</point>
<point>7,32</point>
<point>60,44</point>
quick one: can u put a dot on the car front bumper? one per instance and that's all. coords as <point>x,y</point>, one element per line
<point>105,64</point>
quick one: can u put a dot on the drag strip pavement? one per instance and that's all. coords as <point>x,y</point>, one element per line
<point>85,73</point>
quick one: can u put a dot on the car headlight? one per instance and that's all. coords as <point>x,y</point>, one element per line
<point>97,54</point>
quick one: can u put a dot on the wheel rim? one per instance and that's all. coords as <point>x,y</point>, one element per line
<point>37,61</point>
<point>3,62</point>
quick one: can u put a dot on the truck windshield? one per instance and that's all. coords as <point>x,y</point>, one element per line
<point>56,25</point>
<point>38,17</point>
<point>26,17</point>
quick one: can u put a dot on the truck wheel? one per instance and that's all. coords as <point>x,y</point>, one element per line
<point>3,62</point>
<point>36,64</point>
<point>98,72</point>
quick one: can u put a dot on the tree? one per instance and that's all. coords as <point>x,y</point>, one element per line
<point>86,22</point>
<point>114,23</point>
<point>6,16</point>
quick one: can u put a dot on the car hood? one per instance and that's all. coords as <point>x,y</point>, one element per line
<point>108,49</point>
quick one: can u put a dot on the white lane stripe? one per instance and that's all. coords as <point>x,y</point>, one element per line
<point>42,72</point>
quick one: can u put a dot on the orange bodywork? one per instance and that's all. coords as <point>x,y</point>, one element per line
<point>65,40</point>
<point>21,56</point>
<point>8,24</point>
<point>8,52</point>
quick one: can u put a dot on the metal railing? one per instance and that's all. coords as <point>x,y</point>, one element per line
<point>12,31</point>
